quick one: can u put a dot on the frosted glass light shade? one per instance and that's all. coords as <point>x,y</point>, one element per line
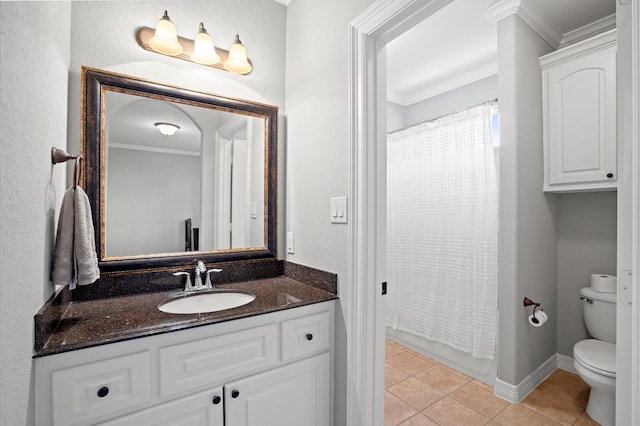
<point>237,62</point>
<point>203,50</point>
<point>165,39</point>
<point>167,129</point>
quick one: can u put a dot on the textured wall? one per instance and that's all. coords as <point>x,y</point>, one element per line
<point>586,245</point>
<point>528,242</point>
<point>318,144</point>
<point>33,87</point>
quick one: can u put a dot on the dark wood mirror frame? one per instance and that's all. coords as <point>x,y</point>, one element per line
<point>94,84</point>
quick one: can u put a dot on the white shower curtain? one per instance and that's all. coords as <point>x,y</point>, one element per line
<point>442,225</point>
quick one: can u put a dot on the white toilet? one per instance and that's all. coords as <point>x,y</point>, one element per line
<point>595,359</point>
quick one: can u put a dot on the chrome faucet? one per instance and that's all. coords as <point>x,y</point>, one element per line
<point>187,284</point>
<point>200,268</point>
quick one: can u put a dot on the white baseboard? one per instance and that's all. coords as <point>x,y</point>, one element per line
<point>566,363</point>
<point>516,393</point>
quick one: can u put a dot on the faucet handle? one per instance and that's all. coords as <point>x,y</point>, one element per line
<point>187,284</point>
<point>207,283</point>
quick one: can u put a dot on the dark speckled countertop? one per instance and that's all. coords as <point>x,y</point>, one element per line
<point>87,323</point>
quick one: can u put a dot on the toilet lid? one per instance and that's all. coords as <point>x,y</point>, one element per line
<point>597,356</point>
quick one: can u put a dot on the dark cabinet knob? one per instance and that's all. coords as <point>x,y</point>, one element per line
<point>235,393</point>
<point>103,391</point>
<point>309,336</point>
<point>609,175</point>
<point>216,400</point>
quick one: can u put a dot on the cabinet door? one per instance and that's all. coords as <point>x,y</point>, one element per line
<point>202,409</point>
<point>294,395</point>
<point>581,121</point>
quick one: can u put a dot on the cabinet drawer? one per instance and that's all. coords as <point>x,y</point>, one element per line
<point>210,361</point>
<point>305,335</point>
<point>92,390</point>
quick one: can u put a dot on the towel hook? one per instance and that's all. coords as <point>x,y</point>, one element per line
<point>60,156</point>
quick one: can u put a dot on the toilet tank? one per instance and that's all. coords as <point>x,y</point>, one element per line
<point>599,311</point>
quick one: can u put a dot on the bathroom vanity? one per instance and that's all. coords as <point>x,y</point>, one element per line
<point>105,353</point>
<point>121,361</point>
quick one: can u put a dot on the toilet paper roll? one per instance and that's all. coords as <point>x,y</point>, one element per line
<point>603,283</point>
<point>541,318</point>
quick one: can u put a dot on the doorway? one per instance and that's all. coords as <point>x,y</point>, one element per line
<point>441,178</point>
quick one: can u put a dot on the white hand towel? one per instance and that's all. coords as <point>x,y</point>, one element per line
<point>74,259</point>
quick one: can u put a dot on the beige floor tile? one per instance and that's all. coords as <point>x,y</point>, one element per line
<point>410,362</point>
<point>452,398</point>
<point>567,386</point>
<point>392,349</point>
<point>418,420</point>
<point>415,393</point>
<point>480,399</point>
<point>440,379</point>
<point>552,407</point>
<point>518,415</point>
<point>585,420</point>
<point>483,384</point>
<point>449,412</point>
<point>392,375</point>
<point>396,411</point>
<point>454,371</point>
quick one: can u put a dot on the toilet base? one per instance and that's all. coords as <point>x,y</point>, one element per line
<point>602,407</point>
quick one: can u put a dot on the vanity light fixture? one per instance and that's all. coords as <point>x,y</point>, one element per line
<point>237,61</point>
<point>167,129</point>
<point>203,50</point>
<point>164,40</point>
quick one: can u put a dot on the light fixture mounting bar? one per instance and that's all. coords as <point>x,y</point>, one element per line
<point>145,33</point>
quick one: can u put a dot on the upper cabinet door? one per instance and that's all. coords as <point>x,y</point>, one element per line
<point>579,102</point>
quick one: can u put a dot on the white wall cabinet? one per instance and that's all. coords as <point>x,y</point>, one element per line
<point>268,369</point>
<point>579,102</point>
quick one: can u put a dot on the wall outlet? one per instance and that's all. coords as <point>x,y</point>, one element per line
<point>290,243</point>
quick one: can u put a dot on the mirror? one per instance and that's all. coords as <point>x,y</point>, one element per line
<point>207,191</point>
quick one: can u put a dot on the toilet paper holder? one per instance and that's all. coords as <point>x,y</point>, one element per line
<point>529,302</point>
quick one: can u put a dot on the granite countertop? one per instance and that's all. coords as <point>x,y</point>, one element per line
<point>87,323</point>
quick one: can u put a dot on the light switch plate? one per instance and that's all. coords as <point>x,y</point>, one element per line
<point>338,210</point>
<point>290,243</point>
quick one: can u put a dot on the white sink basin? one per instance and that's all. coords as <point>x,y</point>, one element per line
<point>200,303</point>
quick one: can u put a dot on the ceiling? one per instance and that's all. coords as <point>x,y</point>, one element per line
<point>458,44</point>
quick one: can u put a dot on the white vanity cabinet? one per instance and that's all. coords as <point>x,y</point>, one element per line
<point>270,369</point>
<point>579,116</point>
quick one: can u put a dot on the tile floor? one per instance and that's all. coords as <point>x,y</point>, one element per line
<point>420,391</point>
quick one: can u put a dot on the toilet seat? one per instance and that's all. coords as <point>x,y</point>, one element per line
<point>597,356</point>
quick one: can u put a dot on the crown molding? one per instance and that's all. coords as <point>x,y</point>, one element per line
<point>445,86</point>
<point>598,27</point>
<point>284,2</point>
<point>531,15</point>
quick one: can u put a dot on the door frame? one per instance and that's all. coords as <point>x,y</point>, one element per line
<point>635,214</point>
<point>368,35</point>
